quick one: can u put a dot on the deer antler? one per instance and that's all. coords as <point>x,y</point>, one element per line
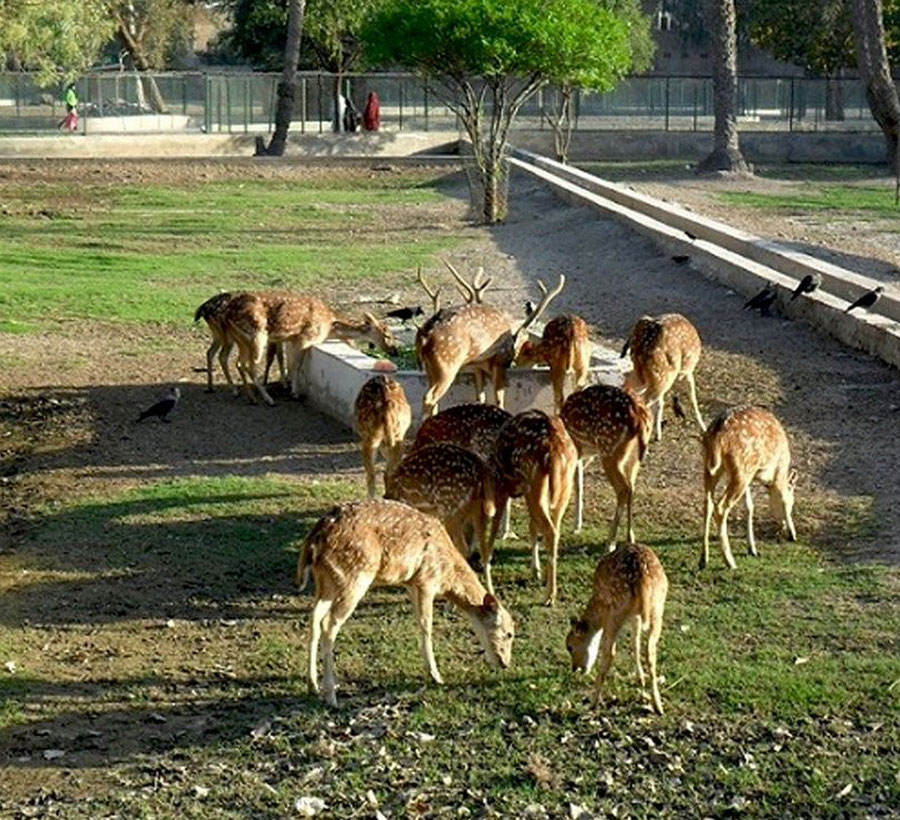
<point>473,292</point>
<point>546,298</point>
<point>434,295</point>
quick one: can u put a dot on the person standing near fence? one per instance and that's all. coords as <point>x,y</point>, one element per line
<point>70,121</point>
<point>372,113</point>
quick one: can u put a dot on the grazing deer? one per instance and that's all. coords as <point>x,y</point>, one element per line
<point>609,422</point>
<point>455,486</point>
<point>664,349</point>
<point>383,416</point>
<point>745,443</point>
<point>564,346</point>
<point>536,458</point>
<point>255,319</point>
<point>476,336</point>
<point>388,543</point>
<point>628,583</point>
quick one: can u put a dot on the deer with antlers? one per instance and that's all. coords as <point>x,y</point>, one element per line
<point>387,543</point>
<point>454,485</point>
<point>475,336</point>
<point>383,416</point>
<point>564,346</point>
<point>629,583</point>
<point>536,458</point>
<point>253,320</point>
<point>743,444</point>
<point>664,349</point>
<point>615,425</point>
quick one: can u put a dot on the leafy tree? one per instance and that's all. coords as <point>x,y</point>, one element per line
<point>257,32</point>
<point>485,58</point>
<point>559,113</point>
<point>58,39</point>
<point>726,154</point>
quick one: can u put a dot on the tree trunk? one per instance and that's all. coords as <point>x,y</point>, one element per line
<point>133,43</point>
<point>726,154</point>
<point>834,97</point>
<point>875,73</point>
<point>561,121</point>
<point>287,86</point>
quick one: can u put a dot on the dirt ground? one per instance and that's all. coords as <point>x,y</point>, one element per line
<point>72,395</point>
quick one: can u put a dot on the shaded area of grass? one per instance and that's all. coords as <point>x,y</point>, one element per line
<point>165,650</point>
<point>148,253</point>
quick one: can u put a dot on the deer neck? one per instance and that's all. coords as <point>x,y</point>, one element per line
<point>344,328</point>
<point>462,587</point>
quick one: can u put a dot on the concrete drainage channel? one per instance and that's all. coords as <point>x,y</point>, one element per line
<point>743,262</point>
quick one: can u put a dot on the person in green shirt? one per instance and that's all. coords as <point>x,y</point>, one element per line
<point>70,121</point>
<point>71,97</point>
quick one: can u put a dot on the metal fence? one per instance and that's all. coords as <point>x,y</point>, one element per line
<point>244,102</point>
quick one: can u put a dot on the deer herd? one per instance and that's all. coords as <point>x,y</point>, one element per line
<point>447,490</point>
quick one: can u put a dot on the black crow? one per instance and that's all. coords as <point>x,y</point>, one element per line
<point>404,314</point>
<point>690,236</point>
<point>763,300</point>
<point>807,284</point>
<point>163,407</point>
<point>676,408</point>
<point>681,258</point>
<point>529,308</point>
<point>867,299</point>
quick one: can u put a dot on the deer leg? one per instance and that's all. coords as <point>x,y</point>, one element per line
<point>535,548</point>
<point>607,655</point>
<point>423,604</point>
<point>751,541</point>
<point>710,482</point>
<point>438,387</point>
<point>320,610</point>
<point>652,643</point>
<point>630,470</point>
<point>619,485</point>
<point>296,357</point>
<point>579,495</point>
<point>271,350</point>
<point>224,356</point>
<point>369,451</point>
<point>252,362</point>
<point>733,492</point>
<point>485,547</point>
<point>341,609</point>
<point>480,394</point>
<point>658,405</point>
<point>636,643</point>
<point>692,387</point>
<point>498,379</point>
<point>558,379</point>
<point>210,355</point>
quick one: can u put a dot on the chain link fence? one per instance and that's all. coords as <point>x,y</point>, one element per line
<point>244,102</point>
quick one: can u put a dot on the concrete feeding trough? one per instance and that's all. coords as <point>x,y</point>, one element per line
<point>334,372</point>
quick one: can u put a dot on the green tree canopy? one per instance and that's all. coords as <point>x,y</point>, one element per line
<point>58,39</point>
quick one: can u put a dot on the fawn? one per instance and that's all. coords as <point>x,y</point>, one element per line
<point>536,457</point>
<point>664,349</point>
<point>745,443</point>
<point>389,543</point>
<point>628,583</point>
<point>564,346</point>
<point>612,423</point>
<point>383,416</point>
<point>455,486</point>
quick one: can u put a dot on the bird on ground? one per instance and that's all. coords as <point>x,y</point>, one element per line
<point>677,408</point>
<point>529,308</point>
<point>163,407</point>
<point>691,236</point>
<point>808,284</point>
<point>867,299</point>
<point>681,258</point>
<point>763,300</point>
<point>404,314</point>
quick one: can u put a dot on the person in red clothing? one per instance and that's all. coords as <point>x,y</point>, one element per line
<point>372,113</point>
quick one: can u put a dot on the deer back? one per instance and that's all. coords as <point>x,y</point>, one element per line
<point>213,309</point>
<point>454,337</point>
<point>474,427</point>
<point>443,480</point>
<point>663,347</point>
<point>282,314</point>
<point>381,404</point>
<point>601,417</point>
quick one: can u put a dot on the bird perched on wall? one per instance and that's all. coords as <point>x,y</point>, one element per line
<point>529,308</point>
<point>691,236</point>
<point>867,299</point>
<point>763,300</point>
<point>808,284</point>
<point>404,314</point>
<point>163,407</point>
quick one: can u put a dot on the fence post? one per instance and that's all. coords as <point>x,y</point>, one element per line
<point>425,106</point>
<point>791,110</point>
<point>246,104</point>
<point>667,103</point>
<point>319,82</point>
<point>184,95</point>
<point>695,105</point>
<point>400,81</point>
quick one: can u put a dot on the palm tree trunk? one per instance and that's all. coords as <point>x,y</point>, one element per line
<point>287,86</point>
<point>726,154</point>
<point>875,73</point>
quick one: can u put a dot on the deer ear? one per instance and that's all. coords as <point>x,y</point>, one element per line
<point>490,604</point>
<point>370,318</point>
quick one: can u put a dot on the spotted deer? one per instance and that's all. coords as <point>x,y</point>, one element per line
<point>455,486</point>
<point>743,444</point>
<point>536,458</point>
<point>255,319</point>
<point>476,336</point>
<point>664,349</point>
<point>615,425</point>
<point>564,346</point>
<point>383,416</point>
<point>629,583</point>
<point>387,543</point>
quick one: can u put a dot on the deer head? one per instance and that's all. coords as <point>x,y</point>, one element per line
<point>379,334</point>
